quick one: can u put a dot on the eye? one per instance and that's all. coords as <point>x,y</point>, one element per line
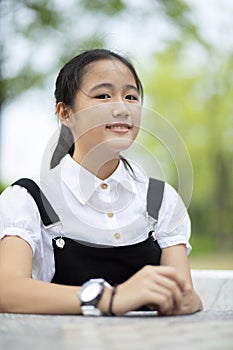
<point>131,98</point>
<point>102,96</point>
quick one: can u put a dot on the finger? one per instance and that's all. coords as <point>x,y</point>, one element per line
<point>161,302</point>
<point>183,310</point>
<point>169,286</point>
<point>172,273</point>
<point>162,298</point>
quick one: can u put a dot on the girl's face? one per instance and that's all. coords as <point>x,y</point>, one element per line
<point>107,110</point>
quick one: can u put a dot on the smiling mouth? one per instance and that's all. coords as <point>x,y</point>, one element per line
<point>119,126</point>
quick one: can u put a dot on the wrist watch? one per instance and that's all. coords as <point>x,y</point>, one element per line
<point>90,294</point>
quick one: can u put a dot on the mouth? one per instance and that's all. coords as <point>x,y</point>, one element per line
<point>119,126</point>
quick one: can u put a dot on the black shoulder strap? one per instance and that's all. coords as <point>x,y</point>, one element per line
<point>48,215</point>
<point>154,197</point>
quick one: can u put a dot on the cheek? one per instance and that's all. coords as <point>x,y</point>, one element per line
<point>91,121</point>
<point>136,112</point>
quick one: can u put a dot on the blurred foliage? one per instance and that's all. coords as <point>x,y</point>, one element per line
<point>109,8</point>
<point>198,101</point>
<point>193,94</point>
<point>61,25</point>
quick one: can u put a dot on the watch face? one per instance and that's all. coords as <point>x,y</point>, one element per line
<point>91,292</point>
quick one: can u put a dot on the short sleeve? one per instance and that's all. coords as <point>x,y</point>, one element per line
<point>19,216</point>
<point>173,226</point>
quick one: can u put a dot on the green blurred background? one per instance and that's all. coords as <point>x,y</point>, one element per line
<point>186,66</point>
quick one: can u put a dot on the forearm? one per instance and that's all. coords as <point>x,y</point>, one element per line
<point>25,295</point>
<point>176,256</point>
<point>19,293</point>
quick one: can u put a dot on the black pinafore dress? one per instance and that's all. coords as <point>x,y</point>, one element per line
<point>76,262</point>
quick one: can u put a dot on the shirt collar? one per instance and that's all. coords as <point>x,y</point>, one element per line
<point>83,183</point>
<point>122,176</point>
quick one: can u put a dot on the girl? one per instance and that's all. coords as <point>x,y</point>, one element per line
<point>93,230</point>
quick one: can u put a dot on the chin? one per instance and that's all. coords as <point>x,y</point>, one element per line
<point>119,144</point>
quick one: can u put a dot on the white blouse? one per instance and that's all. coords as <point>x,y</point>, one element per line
<point>110,213</point>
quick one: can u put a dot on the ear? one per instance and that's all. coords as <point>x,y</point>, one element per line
<point>63,113</point>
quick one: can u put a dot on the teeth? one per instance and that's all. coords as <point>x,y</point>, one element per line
<point>118,126</point>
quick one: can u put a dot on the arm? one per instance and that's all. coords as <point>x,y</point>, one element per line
<point>19,293</point>
<point>176,256</point>
<point>167,288</point>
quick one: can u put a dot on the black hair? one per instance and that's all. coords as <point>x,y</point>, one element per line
<point>69,82</point>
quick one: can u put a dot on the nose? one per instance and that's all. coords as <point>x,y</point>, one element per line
<point>120,110</point>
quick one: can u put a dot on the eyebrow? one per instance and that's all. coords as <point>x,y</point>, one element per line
<point>110,86</point>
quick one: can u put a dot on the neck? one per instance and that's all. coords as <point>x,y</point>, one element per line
<point>101,165</point>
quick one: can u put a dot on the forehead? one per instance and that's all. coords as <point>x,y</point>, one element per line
<point>107,70</point>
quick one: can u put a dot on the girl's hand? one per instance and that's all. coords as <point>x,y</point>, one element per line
<point>191,302</point>
<point>160,287</point>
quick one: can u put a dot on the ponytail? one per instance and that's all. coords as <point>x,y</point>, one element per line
<point>65,145</point>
